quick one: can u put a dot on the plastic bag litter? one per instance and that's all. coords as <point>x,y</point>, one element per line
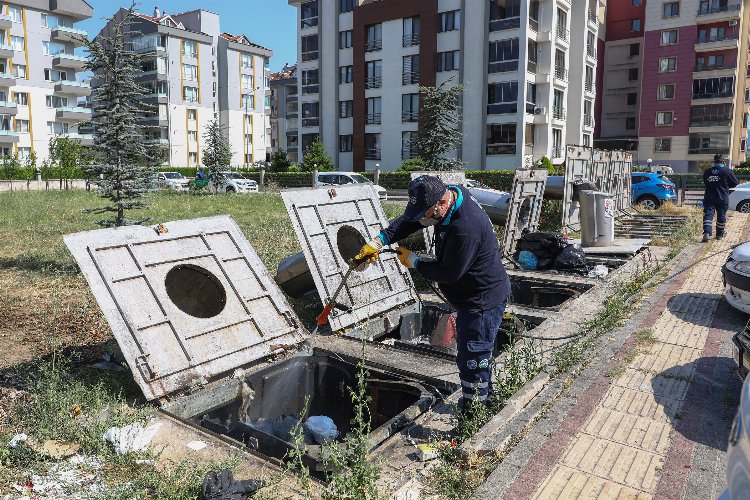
<point>131,438</point>
<point>17,439</point>
<point>322,428</point>
<point>282,426</point>
<point>599,271</point>
<point>546,246</point>
<point>527,260</point>
<point>572,258</point>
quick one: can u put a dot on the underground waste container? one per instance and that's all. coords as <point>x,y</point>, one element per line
<point>597,218</point>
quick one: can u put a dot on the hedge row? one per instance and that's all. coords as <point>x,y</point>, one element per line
<point>29,173</point>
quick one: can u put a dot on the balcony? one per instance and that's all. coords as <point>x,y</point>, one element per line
<point>409,116</point>
<point>502,108</point>
<point>156,97</point>
<point>501,149</point>
<point>708,150</point>
<point>561,74</point>
<point>6,50</point>
<point>69,35</point>
<point>372,119</point>
<point>7,79</point>
<point>5,21</point>
<point>593,18</point>
<point>73,113</point>
<point>531,66</point>
<point>410,40</point>
<point>73,87</point>
<point>714,97</point>
<point>407,153</point>
<point>588,121</point>
<point>291,124</point>
<point>727,122</point>
<point>718,13</point>
<point>556,152</point>
<point>374,82</point>
<point>533,24</point>
<point>558,112</point>
<point>502,66</point>
<point>309,22</point>
<point>8,136</point>
<point>8,108</point>
<point>706,44</point>
<point>83,139</point>
<point>562,34</point>
<point>410,77</point>
<point>505,24</point>
<point>372,153</point>
<point>155,121</point>
<point>158,141</point>
<point>591,51</point>
<point>71,61</point>
<point>310,56</point>
<point>590,88</point>
<point>313,121</point>
<point>374,45</point>
<point>150,49</point>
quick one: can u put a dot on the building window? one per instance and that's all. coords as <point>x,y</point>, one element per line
<point>374,75</point>
<point>635,24</point>
<point>671,9</point>
<point>21,98</point>
<point>409,145</point>
<point>247,101</point>
<point>449,61</point>
<point>712,115</point>
<point>192,136</point>
<point>632,74</point>
<point>665,91</point>
<point>410,70</point>
<point>717,143</point>
<point>18,43</point>
<point>669,37</point>
<point>636,3</point>
<point>346,109</point>
<point>54,75</point>
<point>307,140</point>
<point>189,48</point>
<point>309,48</point>
<point>503,56</point>
<point>57,128</point>
<point>374,107</point>
<point>346,143</point>
<point>246,81</point>
<point>667,64</point>
<point>22,125</point>
<point>310,82</point>
<point>372,146</point>
<point>346,6</point>
<point>309,14</point>
<point>189,94</point>
<point>713,87</point>
<point>632,98</point>
<point>346,74</point>
<point>246,61</point>
<point>449,21</point>
<point>663,144</point>
<point>345,39</point>
<point>411,31</point>
<point>190,72</point>
<point>505,15</point>
<point>25,152</point>
<point>19,71</point>
<point>708,63</point>
<point>502,98</point>
<point>630,123</point>
<point>55,101</point>
<point>410,108</point>
<point>51,22</point>
<point>589,80</point>
<point>586,140</point>
<point>501,139</point>
<point>192,114</point>
<point>374,39</point>
<point>310,114</point>
<point>635,49</point>
<point>663,118</point>
<point>192,158</point>
<point>15,13</point>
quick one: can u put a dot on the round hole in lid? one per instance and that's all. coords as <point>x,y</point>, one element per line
<point>195,291</point>
<point>349,242</point>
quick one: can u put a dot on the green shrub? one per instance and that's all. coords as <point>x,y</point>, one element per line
<point>412,165</point>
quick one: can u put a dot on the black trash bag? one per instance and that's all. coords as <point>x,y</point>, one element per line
<point>221,485</point>
<point>572,258</point>
<point>546,247</point>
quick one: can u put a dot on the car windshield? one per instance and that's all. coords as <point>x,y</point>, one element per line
<point>360,179</point>
<point>664,178</point>
<point>234,175</point>
<point>173,175</point>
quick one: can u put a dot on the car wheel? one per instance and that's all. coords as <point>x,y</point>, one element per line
<point>649,203</point>
<point>230,190</point>
<point>744,207</point>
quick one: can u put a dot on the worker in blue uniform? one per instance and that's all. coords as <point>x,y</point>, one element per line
<point>468,269</point>
<point>718,181</point>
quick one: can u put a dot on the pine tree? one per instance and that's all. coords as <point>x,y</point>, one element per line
<point>439,133</point>
<point>316,157</point>
<point>123,163</point>
<point>280,161</point>
<point>217,155</point>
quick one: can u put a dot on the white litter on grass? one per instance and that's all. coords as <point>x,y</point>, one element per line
<point>131,438</point>
<point>196,445</point>
<point>74,479</point>
<point>17,439</point>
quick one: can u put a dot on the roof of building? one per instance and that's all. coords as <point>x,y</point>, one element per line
<point>285,73</point>
<point>165,20</point>
<point>243,39</point>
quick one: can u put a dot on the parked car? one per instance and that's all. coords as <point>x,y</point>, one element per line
<point>739,198</point>
<point>651,190</point>
<point>170,180</point>
<point>230,182</point>
<point>343,178</point>
<point>738,451</point>
<point>736,274</point>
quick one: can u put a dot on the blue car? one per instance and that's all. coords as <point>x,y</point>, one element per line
<point>651,190</point>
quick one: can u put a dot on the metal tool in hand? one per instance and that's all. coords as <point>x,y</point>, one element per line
<point>322,318</point>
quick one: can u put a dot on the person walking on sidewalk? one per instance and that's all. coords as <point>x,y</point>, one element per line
<point>718,181</point>
<point>468,269</point>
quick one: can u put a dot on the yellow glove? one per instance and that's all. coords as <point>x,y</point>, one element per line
<point>407,257</point>
<point>369,252</point>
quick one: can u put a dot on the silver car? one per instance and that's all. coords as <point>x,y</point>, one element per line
<point>738,454</point>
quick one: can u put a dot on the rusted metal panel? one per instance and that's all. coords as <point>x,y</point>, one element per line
<point>187,301</point>
<point>578,166</point>
<point>525,207</point>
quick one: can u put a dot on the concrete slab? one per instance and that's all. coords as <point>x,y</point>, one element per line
<point>621,246</point>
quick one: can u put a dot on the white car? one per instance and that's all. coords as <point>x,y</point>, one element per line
<point>738,451</point>
<point>736,274</point>
<point>235,182</point>
<point>171,180</point>
<point>739,198</point>
<point>344,178</point>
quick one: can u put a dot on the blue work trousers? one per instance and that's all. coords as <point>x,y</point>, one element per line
<point>708,217</point>
<point>475,336</point>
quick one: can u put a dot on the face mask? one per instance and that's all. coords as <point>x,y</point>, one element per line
<point>428,221</point>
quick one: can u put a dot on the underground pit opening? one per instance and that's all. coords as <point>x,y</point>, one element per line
<point>349,241</point>
<point>195,291</point>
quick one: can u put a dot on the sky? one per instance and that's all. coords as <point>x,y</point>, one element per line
<point>270,23</point>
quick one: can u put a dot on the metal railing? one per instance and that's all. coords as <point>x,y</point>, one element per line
<point>71,30</point>
<point>713,95</point>
<point>310,89</point>
<point>407,153</point>
<point>501,149</point>
<point>505,24</point>
<point>562,33</point>
<point>561,73</point>
<point>410,40</point>
<point>310,56</point>
<point>716,9</point>
<point>373,118</point>
<point>714,67</point>
<point>409,116</point>
<point>374,82</point>
<point>717,38</point>
<point>372,153</point>
<point>593,18</point>
<point>588,121</point>
<point>502,108</point>
<point>556,152</point>
<point>590,88</point>
<point>531,66</point>
<point>373,45</point>
<point>558,112</point>
<point>410,77</point>
<point>591,51</point>
<point>309,22</point>
<point>708,151</point>
<point>311,122</point>
<point>533,24</point>
<point>711,123</point>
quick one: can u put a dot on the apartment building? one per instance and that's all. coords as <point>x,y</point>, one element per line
<point>194,73</point>
<point>528,66</point>
<point>649,106</point>
<point>39,85</point>
<point>285,112</point>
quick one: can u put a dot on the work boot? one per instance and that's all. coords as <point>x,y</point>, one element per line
<point>706,237</point>
<point>720,236</point>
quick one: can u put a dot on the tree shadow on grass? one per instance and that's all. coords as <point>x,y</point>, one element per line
<point>37,264</point>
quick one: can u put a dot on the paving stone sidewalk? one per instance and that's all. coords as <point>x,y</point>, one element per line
<point>653,422</point>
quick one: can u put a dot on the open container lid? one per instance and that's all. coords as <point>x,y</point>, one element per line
<point>186,300</point>
<point>331,226</point>
<point>524,208</point>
